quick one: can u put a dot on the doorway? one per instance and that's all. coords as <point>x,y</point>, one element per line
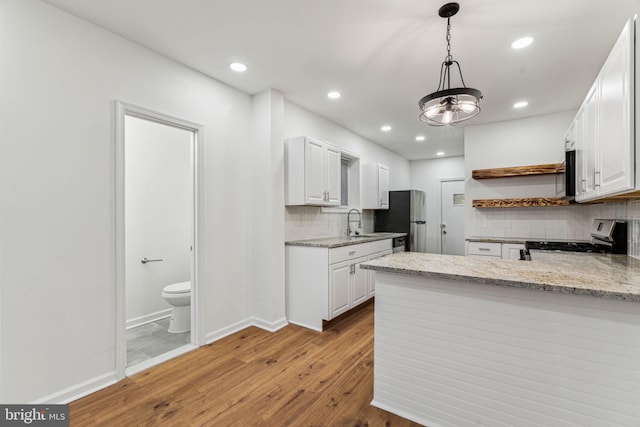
<point>452,216</point>
<point>157,197</point>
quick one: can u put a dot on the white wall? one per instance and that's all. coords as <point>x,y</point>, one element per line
<point>426,175</point>
<point>58,79</point>
<point>158,215</point>
<point>267,230</point>
<point>310,222</point>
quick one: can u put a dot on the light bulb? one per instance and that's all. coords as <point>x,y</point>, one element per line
<point>467,107</point>
<point>431,112</point>
<point>447,117</point>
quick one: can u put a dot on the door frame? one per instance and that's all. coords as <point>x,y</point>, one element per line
<point>123,109</point>
<point>440,202</point>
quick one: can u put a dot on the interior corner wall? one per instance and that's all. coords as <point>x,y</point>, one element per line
<point>59,78</point>
<point>426,175</point>
<point>267,232</point>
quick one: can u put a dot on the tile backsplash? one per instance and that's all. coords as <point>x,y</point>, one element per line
<point>570,222</point>
<point>310,222</point>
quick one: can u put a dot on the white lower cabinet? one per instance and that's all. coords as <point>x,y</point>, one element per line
<point>348,285</point>
<point>511,250</point>
<point>371,279</point>
<point>494,249</point>
<point>322,283</point>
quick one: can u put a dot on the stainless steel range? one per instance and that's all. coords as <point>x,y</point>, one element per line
<point>607,236</point>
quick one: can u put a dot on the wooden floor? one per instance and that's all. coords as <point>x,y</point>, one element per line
<point>293,377</point>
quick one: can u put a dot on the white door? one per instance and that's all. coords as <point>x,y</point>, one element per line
<point>452,217</point>
<point>340,297</point>
<point>332,177</point>
<point>383,186</point>
<point>360,285</point>
<point>314,164</point>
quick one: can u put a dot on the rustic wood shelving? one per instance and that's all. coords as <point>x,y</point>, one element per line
<point>546,169</point>
<point>519,203</point>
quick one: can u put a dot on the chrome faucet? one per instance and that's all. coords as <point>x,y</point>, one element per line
<point>349,222</point>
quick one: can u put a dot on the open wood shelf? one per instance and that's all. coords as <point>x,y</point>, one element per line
<point>519,203</point>
<point>547,169</point>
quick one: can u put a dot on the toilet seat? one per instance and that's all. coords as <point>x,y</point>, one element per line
<point>178,288</point>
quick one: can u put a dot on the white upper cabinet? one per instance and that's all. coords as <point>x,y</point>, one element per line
<point>614,171</point>
<point>604,126</point>
<point>375,186</point>
<point>312,172</point>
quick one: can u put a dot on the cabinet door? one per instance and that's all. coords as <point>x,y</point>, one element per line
<point>314,172</point>
<point>614,172</point>
<point>590,137</point>
<point>371,280</point>
<point>360,283</point>
<point>383,186</point>
<point>332,176</point>
<point>581,182</point>
<point>511,250</point>
<point>339,287</point>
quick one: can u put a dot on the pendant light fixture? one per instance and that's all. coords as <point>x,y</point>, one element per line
<point>447,106</point>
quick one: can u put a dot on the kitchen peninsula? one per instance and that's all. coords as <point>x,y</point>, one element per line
<point>477,341</point>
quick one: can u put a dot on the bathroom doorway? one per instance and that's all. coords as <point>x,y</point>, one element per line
<point>157,171</point>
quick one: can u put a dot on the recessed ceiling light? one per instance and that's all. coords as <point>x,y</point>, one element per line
<point>522,42</point>
<point>520,104</point>
<point>440,153</point>
<point>238,67</point>
<point>385,128</point>
<point>420,138</point>
<point>334,94</point>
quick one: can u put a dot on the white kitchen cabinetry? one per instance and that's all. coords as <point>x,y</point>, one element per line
<point>375,186</point>
<point>496,250</point>
<point>485,249</point>
<point>371,282</point>
<point>312,172</point>
<point>511,250</point>
<point>322,283</point>
<point>604,127</point>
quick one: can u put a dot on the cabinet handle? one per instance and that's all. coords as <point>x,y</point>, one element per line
<point>352,252</point>
<point>583,185</point>
<point>596,178</point>
<point>484,249</point>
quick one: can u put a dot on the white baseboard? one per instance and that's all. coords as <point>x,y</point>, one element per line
<point>77,391</point>
<point>90,386</point>
<point>238,326</point>
<point>269,326</point>
<point>148,318</point>
<point>226,331</point>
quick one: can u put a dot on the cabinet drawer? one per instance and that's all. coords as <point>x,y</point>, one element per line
<point>344,253</point>
<point>485,249</point>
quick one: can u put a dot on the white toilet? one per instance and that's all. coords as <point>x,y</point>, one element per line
<point>179,296</point>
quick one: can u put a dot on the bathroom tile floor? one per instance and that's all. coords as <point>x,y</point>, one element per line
<point>151,340</point>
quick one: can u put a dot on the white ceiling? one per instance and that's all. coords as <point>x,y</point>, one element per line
<point>383,55</point>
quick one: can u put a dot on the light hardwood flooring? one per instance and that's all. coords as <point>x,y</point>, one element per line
<point>293,377</point>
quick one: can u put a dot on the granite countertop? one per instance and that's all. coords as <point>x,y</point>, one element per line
<point>334,242</point>
<point>599,275</point>
<point>519,240</point>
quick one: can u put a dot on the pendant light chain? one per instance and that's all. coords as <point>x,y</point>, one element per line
<point>449,58</point>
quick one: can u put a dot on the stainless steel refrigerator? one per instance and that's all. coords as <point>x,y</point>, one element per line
<point>407,213</point>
